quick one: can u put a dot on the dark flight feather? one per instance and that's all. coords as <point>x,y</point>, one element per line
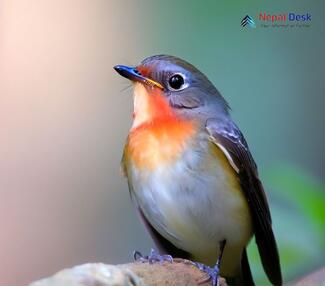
<point>246,274</point>
<point>227,136</point>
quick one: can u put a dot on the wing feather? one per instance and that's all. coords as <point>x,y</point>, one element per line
<point>227,136</point>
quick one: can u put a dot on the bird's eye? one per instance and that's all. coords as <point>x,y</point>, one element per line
<point>176,82</point>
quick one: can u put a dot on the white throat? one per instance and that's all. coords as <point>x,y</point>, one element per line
<point>141,105</point>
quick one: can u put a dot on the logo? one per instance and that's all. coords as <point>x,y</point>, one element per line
<point>284,17</point>
<point>278,20</point>
<point>248,22</point>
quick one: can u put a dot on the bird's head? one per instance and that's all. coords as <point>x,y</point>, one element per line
<point>169,86</point>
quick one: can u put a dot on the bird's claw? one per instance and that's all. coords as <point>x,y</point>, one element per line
<point>212,273</point>
<point>153,257</point>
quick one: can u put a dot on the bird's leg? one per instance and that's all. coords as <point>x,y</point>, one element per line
<point>153,257</point>
<point>213,272</point>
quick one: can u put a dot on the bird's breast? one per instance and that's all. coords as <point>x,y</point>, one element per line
<point>158,143</point>
<point>187,189</point>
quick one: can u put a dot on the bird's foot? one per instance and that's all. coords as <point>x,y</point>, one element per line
<point>212,273</point>
<point>153,257</point>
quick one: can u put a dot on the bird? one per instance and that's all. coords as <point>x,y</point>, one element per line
<point>191,175</point>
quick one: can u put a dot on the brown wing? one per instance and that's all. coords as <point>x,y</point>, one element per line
<point>227,136</point>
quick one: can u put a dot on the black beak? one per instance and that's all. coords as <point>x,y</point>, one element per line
<point>134,75</point>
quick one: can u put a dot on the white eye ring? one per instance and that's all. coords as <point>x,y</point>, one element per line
<point>177,79</point>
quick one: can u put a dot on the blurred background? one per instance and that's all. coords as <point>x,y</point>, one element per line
<point>65,113</point>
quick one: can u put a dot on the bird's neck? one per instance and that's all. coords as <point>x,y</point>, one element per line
<point>157,135</point>
<point>150,106</point>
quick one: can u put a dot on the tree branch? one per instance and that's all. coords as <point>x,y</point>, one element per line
<point>131,274</point>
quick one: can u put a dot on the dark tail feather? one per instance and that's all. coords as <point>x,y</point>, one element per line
<point>246,274</point>
<point>245,277</point>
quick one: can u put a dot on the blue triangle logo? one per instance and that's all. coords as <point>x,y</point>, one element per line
<point>248,21</point>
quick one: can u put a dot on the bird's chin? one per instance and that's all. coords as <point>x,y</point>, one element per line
<point>150,104</point>
<point>141,105</point>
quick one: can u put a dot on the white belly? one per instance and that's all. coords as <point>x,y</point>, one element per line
<point>195,204</point>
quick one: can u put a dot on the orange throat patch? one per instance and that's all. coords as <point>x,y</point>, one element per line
<point>158,136</point>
